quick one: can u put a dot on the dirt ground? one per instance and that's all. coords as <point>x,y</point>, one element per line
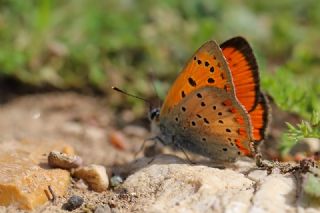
<point>83,122</point>
<point>90,126</point>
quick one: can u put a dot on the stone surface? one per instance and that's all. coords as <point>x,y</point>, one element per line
<point>73,203</point>
<point>168,184</point>
<point>278,189</point>
<point>116,181</point>
<point>103,209</point>
<point>61,160</point>
<point>94,175</point>
<point>25,175</point>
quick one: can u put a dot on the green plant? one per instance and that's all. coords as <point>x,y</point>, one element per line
<point>297,93</point>
<point>293,93</point>
<point>306,129</point>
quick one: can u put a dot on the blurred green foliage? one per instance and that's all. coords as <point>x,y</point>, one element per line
<point>293,92</point>
<point>303,130</point>
<point>85,43</point>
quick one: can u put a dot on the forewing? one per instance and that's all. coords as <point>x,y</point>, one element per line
<point>207,67</point>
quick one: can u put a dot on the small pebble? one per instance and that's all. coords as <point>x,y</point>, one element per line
<point>103,209</point>
<point>61,160</point>
<point>73,203</point>
<point>116,181</point>
<point>88,208</point>
<point>118,140</point>
<point>94,175</point>
<point>80,184</point>
<point>69,150</point>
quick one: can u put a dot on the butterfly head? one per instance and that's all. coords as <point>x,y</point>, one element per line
<point>154,114</point>
<point>154,117</point>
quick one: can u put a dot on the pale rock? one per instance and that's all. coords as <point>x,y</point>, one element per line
<point>276,189</point>
<point>168,184</point>
<point>103,209</point>
<point>61,160</point>
<point>94,175</point>
<point>180,187</point>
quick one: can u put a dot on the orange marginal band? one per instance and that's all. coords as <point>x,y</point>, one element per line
<point>259,118</point>
<point>244,69</point>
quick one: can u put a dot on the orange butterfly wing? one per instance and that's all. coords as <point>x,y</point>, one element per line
<point>210,121</point>
<point>260,118</point>
<point>244,69</point>
<point>207,67</point>
<point>245,76</point>
<point>234,69</point>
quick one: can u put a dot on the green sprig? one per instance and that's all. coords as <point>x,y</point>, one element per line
<point>306,129</point>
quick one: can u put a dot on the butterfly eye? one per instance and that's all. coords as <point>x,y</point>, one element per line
<point>154,113</point>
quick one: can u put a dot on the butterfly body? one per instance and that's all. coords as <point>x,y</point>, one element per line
<point>215,107</point>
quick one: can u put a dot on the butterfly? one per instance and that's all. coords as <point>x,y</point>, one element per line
<point>215,107</point>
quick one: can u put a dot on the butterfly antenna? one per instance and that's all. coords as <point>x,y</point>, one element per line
<point>154,86</point>
<point>131,95</point>
<point>157,94</point>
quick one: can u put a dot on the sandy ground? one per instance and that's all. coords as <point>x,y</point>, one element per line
<point>83,122</point>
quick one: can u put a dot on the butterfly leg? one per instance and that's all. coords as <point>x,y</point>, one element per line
<point>261,164</point>
<point>153,148</point>
<point>182,149</point>
<point>144,143</point>
<point>184,152</point>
